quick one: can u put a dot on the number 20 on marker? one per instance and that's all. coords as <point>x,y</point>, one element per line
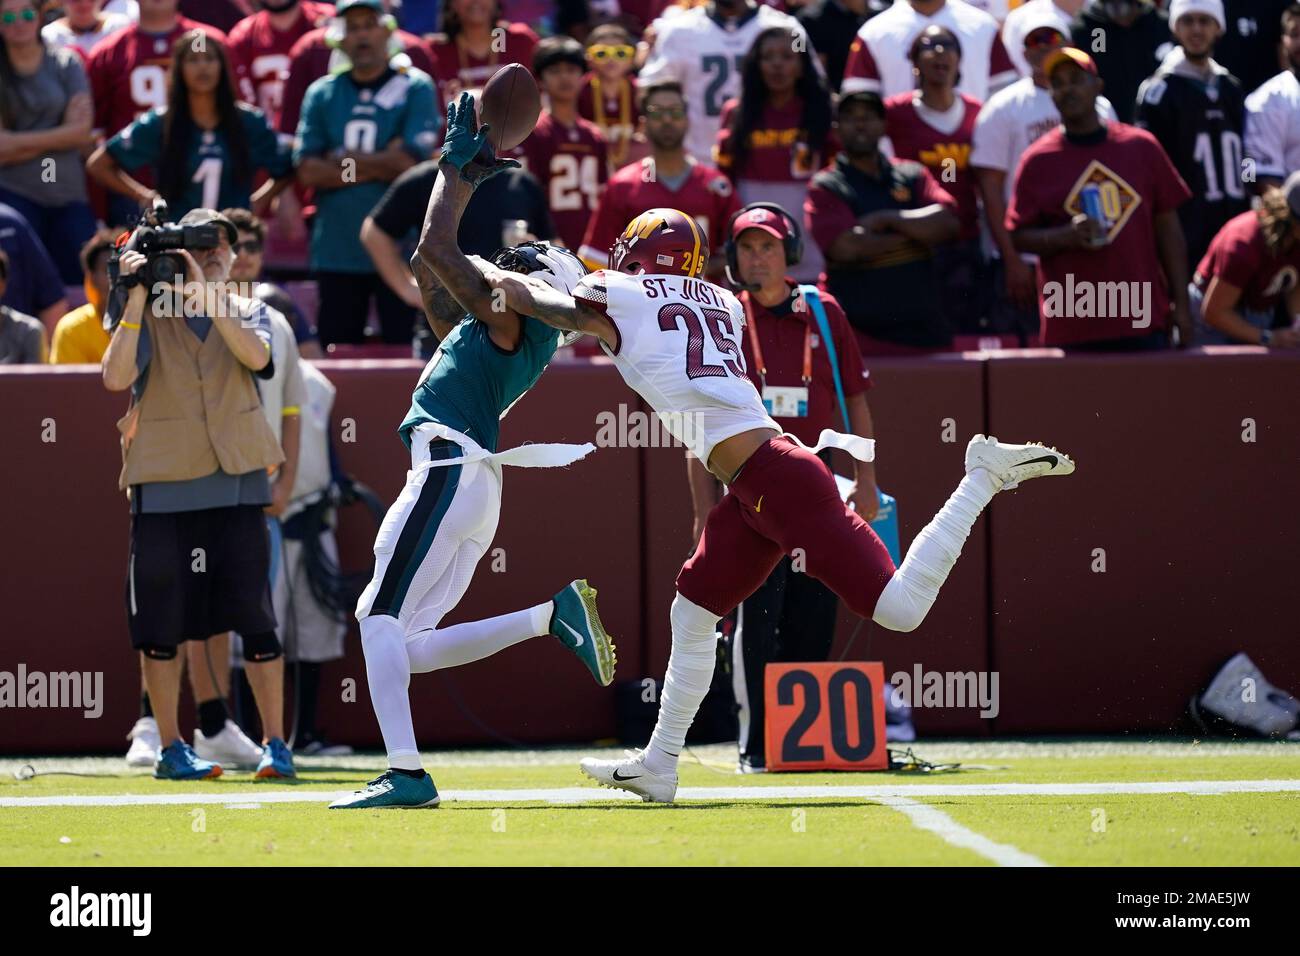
<point>825,716</point>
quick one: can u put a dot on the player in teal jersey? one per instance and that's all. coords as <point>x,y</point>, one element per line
<point>360,129</point>
<point>445,517</point>
<point>203,147</point>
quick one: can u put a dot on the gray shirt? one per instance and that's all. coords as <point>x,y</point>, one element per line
<point>40,101</point>
<point>21,338</point>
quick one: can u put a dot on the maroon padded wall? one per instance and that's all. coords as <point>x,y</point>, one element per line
<point>1199,529</point>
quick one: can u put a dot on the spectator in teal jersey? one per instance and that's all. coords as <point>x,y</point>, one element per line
<point>360,130</point>
<point>203,146</point>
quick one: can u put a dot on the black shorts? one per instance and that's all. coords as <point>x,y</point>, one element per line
<point>192,574</point>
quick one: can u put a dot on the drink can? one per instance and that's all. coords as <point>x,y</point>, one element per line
<point>1090,200</point>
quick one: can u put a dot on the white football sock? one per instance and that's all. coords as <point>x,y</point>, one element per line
<point>912,590</point>
<point>459,644</point>
<point>383,639</point>
<point>690,672</point>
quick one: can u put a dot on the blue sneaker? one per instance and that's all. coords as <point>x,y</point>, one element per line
<point>576,623</point>
<point>392,791</point>
<point>178,761</point>
<point>277,760</point>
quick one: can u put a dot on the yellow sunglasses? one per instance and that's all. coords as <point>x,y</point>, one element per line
<point>605,51</point>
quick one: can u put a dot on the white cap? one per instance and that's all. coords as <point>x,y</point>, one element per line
<point>1046,15</point>
<point>1212,8</point>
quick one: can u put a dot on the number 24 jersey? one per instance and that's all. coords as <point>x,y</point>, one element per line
<point>679,348</point>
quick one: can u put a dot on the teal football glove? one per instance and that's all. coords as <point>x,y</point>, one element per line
<point>466,146</point>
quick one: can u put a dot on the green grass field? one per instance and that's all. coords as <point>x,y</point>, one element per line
<point>1011,803</point>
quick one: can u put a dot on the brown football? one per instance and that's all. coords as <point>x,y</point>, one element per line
<point>510,103</point>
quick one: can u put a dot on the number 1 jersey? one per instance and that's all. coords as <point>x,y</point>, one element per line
<point>679,348</point>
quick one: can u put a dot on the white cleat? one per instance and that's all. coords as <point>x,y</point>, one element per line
<point>1012,464</point>
<point>631,774</point>
<point>145,743</point>
<point>230,748</point>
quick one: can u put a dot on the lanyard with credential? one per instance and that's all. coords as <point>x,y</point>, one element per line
<point>758,349</point>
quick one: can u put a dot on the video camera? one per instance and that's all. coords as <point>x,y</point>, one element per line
<point>157,240</point>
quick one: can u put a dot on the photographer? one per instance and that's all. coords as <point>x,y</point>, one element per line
<point>196,454</point>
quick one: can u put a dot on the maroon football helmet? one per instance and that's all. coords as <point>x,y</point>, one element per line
<point>663,242</point>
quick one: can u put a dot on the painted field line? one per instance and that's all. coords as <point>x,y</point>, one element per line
<point>926,817</point>
<point>751,793</point>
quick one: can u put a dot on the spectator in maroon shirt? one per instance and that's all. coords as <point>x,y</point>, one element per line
<point>934,126</point>
<point>791,617</point>
<point>777,133</point>
<point>877,221</point>
<point>1252,265</point>
<point>476,42</point>
<point>1100,283</point>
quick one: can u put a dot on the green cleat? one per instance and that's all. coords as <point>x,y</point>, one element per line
<point>576,623</point>
<point>392,791</point>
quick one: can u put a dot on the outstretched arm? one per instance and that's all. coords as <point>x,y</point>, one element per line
<point>528,296</point>
<point>459,172</point>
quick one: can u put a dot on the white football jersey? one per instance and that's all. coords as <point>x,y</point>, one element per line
<point>679,348</point>
<point>705,56</point>
<point>1273,126</point>
<point>878,60</point>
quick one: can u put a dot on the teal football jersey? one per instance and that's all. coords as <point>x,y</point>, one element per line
<point>208,171</point>
<point>470,382</point>
<point>339,116</point>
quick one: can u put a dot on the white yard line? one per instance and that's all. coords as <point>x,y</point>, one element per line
<point>953,833</point>
<point>757,792</point>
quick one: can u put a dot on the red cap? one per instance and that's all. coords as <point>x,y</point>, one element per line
<point>1073,55</point>
<point>770,222</point>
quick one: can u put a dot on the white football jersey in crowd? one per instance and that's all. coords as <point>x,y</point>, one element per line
<point>1273,126</point>
<point>1010,122</point>
<point>705,56</point>
<point>58,34</point>
<point>680,349</point>
<point>1040,13</point>
<point>878,61</point>
<point>997,9</point>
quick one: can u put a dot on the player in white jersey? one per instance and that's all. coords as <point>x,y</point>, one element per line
<point>879,61</point>
<point>676,340</point>
<point>703,49</point>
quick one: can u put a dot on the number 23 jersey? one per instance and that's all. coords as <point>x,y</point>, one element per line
<point>679,348</point>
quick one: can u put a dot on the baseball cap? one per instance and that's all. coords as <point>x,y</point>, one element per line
<point>1042,17</point>
<point>202,217</point>
<point>1071,54</point>
<point>868,97</point>
<point>343,6</point>
<point>1291,189</point>
<point>1211,8</point>
<point>772,223</point>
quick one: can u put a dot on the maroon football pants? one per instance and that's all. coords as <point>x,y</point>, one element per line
<point>785,502</point>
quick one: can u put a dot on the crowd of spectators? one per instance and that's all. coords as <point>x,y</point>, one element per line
<point>958,176</point>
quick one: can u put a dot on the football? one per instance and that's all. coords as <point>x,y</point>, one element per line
<point>510,104</point>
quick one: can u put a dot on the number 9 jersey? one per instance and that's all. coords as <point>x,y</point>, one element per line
<point>679,348</point>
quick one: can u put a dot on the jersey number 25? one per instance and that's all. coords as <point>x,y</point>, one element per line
<point>720,330</point>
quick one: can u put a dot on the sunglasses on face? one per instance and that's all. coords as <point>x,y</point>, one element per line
<point>10,17</point>
<point>251,246</point>
<point>606,51</point>
<point>666,112</point>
